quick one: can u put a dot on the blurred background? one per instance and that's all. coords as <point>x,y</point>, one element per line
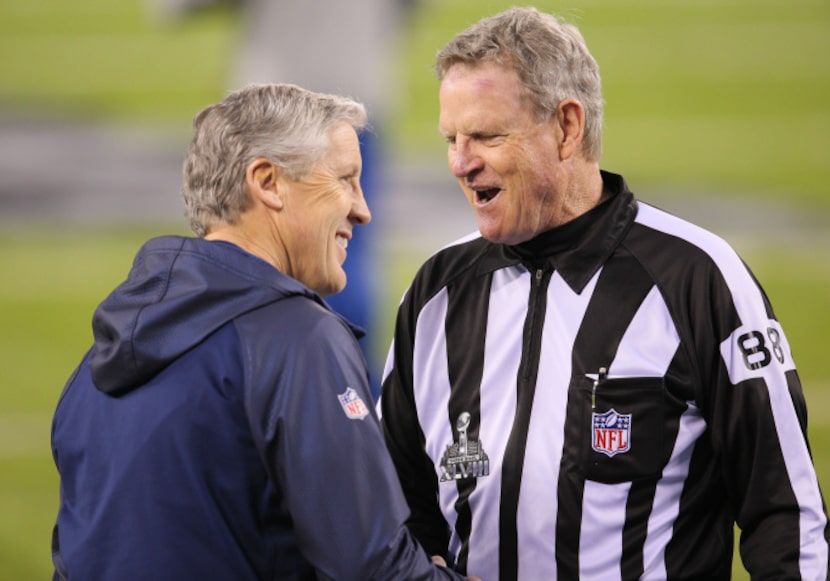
<point>717,110</point>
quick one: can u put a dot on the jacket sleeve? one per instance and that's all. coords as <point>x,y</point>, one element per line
<point>758,418</point>
<point>405,439</point>
<point>309,406</point>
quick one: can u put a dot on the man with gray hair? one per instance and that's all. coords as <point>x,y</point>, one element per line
<point>587,387</point>
<point>221,425</point>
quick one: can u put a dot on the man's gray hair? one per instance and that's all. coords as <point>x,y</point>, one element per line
<point>549,56</point>
<point>283,123</point>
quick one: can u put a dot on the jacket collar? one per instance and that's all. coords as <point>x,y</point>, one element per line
<point>578,249</point>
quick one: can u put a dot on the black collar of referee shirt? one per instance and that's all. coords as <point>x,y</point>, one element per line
<point>578,249</point>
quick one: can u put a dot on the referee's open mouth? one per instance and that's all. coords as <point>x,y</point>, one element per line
<point>486,194</point>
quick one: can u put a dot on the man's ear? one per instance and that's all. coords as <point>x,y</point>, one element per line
<point>570,116</point>
<point>262,178</point>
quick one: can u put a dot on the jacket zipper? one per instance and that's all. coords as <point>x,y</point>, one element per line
<point>537,304</point>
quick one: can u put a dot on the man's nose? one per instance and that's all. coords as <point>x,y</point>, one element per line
<point>464,159</point>
<point>360,209</point>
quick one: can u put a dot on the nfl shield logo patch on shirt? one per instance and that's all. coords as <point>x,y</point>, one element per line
<point>612,433</point>
<point>352,404</point>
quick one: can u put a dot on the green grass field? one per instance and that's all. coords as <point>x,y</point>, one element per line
<point>729,97</point>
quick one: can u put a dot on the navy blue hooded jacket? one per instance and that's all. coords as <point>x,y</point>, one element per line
<point>222,427</point>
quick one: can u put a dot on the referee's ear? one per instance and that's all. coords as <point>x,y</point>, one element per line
<point>570,127</point>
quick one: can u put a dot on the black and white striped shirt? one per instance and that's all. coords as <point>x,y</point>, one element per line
<point>602,402</point>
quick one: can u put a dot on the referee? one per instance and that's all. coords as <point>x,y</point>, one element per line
<point>588,387</point>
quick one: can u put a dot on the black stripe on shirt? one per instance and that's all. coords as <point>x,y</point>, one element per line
<point>466,331</point>
<point>514,452</point>
<point>641,496</point>
<point>603,326</point>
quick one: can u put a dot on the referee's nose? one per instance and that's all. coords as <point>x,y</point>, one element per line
<point>463,158</point>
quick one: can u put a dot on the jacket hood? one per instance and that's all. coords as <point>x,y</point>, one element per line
<point>178,292</point>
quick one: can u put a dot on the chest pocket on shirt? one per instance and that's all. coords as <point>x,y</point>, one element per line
<point>622,428</point>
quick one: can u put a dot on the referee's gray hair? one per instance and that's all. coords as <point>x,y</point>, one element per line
<point>280,122</point>
<point>549,56</point>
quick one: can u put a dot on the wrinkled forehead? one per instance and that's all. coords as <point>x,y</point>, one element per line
<point>489,90</point>
<point>343,151</point>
